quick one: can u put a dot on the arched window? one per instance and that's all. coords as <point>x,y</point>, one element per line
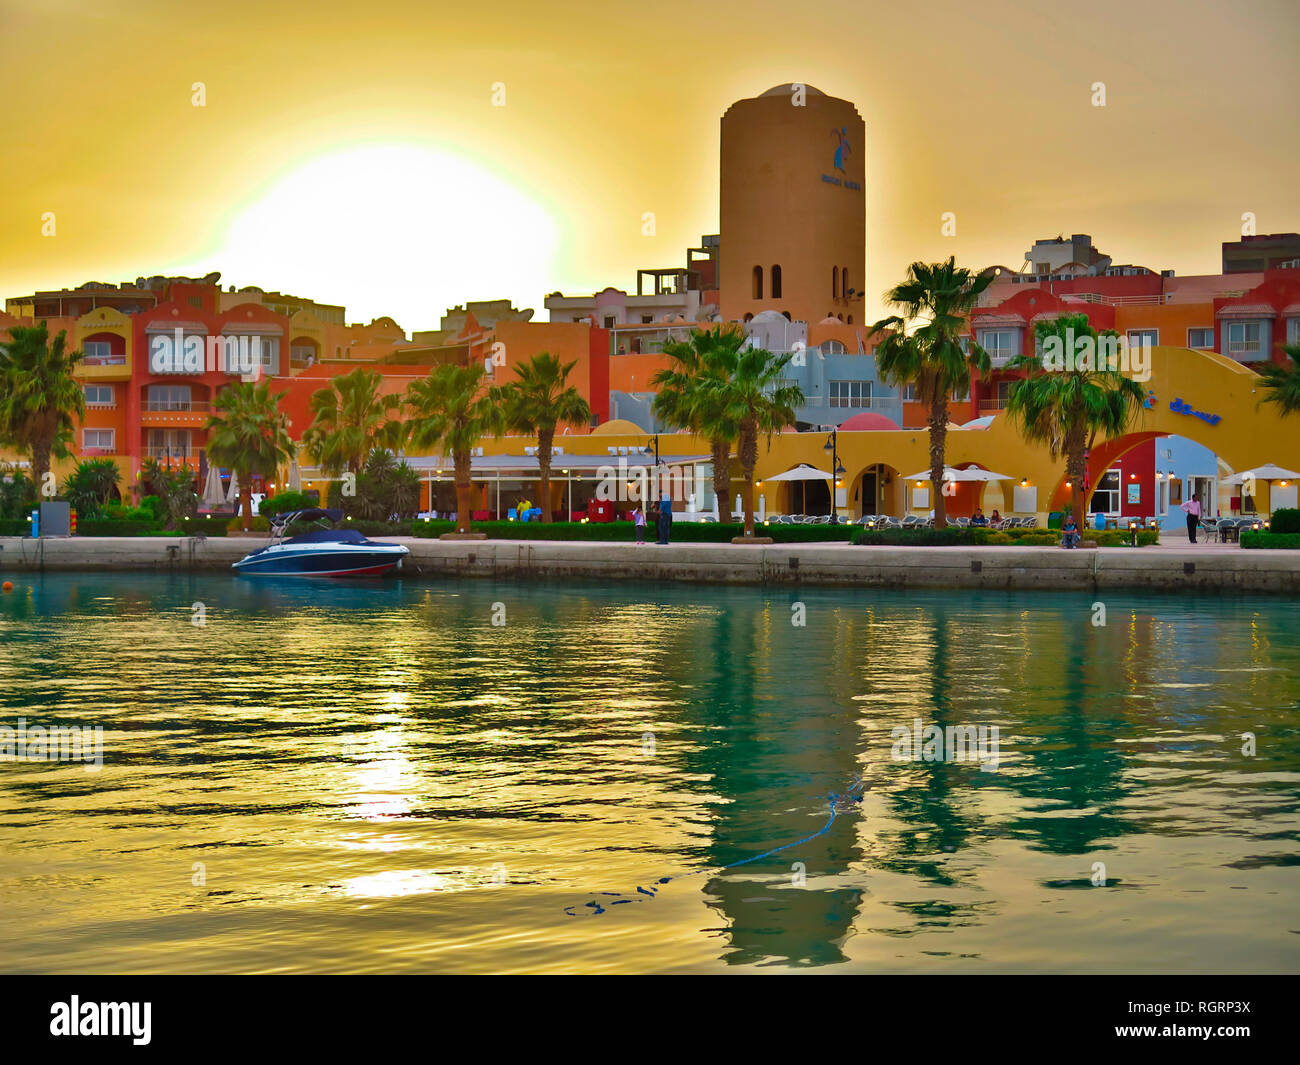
<point>844,281</point>
<point>758,282</point>
<point>776,282</point>
<point>835,282</point>
<point>850,319</point>
<point>749,317</point>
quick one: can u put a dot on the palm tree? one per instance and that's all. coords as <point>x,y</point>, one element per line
<point>248,433</point>
<point>349,419</point>
<point>744,388</point>
<point>451,411</point>
<point>40,401</point>
<point>539,401</point>
<point>940,297</point>
<point>680,401</point>
<point>1282,383</point>
<point>91,486</point>
<point>1067,409</point>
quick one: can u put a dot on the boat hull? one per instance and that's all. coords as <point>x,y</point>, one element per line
<point>372,560</point>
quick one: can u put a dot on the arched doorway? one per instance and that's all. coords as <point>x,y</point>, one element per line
<point>878,489</point>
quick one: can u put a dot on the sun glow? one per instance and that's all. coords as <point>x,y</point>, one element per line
<point>392,229</point>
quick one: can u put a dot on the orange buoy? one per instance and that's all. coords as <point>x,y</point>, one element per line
<point>8,586</point>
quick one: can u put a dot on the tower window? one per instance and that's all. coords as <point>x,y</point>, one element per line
<point>758,282</point>
<point>835,282</point>
<point>844,281</point>
<point>776,282</point>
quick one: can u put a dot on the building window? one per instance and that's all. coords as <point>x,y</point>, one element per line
<point>98,395</point>
<point>1105,500</point>
<point>1144,336</point>
<point>1293,330</point>
<point>758,283</point>
<point>850,393</point>
<point>610,321</point>
<point>845,291</point>
<point>1004,394</point>
<point>169,443</point>
<point>646,319</point>
<point>1001,344</point>
<point>961,395</point>
<point>833,347</point>
<point>835,284</point>
<point>98,352</point>
<point>1243,338</point>
<point>964,344</point>
<point>168,397</point>
<point>1201,339</point>
<point>909,393</point>
<point>776,282</point>
<point>97,439</point>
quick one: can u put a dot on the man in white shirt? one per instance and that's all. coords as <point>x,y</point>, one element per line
<point>1192,508</point>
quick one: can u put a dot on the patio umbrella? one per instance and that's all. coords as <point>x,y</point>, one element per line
<point>232,496</point>
<point>295,476</point>
<point>802,472</point>
<point>213,496</point>
<point>976,474</point>
<point>980,423</point>
<point>1267,472</point>
<point>949,474</point>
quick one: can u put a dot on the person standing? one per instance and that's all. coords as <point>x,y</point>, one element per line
<point>638,517</point>
<point>1192,508</point>
<point>665,518</point>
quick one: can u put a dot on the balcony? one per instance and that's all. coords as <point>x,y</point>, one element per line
<point>174,456</point>
<point>172,414</point>
<point>992,406</point>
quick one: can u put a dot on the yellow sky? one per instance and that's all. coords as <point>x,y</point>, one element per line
<point>351,152</point>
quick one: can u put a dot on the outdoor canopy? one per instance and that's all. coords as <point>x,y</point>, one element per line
<point>1267,472</point>
<point>802,472</point>
<point>952,474</point>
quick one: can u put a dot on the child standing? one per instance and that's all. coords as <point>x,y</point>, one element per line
<point>638,516</point>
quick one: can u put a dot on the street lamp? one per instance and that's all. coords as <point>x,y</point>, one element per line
<point>837,471</point>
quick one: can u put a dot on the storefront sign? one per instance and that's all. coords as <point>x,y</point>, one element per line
<point>1179,407</point>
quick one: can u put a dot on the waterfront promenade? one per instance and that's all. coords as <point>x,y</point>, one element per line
<point>1173,566</point>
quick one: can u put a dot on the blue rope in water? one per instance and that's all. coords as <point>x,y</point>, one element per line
<point>839,804</point>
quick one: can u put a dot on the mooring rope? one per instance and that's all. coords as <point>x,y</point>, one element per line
<point>840,803</point>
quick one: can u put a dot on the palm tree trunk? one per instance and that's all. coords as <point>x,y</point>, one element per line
<point>464,488</point>
<point>938,444</point>
<point>1075,467</point>
<point>721,450</point>
<point>748,460</point>
<point>545,438</point>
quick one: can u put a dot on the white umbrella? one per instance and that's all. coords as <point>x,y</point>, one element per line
<point>1268,472</point>
<point>213,496</point>
<point>975,474</point>
<point>295,476</point>
<point>762,507</point>
<point>949,474</point>
<point>739,504</point>
<point>802,472</point>
<point>232,496</point>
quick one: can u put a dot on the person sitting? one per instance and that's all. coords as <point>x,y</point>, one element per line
<point>1069,532</point>
<point>995,520</point>
<point>978,517</point>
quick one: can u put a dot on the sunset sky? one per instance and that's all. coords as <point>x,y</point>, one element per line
<point>351,152</point>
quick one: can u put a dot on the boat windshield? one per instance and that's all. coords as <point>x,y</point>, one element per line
<point>328,536</point>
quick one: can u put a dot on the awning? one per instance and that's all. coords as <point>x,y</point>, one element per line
<point>802,472</point>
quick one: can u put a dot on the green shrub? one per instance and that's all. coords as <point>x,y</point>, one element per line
<point>625,531</point>
<point>116,527</point>
<point>1271,540</point>
<point>204,526</point>
<point>288,501</point>
<point>1286,520</point>
<point>14,526</point>
<point>923,537</point>
<point>257,524</point>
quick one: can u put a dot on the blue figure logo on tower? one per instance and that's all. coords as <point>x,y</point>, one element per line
<point>842,148</point>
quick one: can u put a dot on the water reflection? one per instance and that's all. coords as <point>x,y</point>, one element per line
<point>322,750</point>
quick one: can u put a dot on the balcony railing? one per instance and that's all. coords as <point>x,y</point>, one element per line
<point>177,455</point>
<point>177,405</point>
<point>990,406</point>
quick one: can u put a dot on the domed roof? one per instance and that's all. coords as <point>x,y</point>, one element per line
<point>618,427</point>
<point>788,88</point>
<point>830,320</point>
<point>770,316</point>
<point>867,420</point>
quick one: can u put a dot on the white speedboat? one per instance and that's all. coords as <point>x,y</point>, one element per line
<point>320,552</point>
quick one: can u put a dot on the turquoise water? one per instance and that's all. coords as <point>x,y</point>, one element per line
<point>375,777</point>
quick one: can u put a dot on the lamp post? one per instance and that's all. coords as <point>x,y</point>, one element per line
<point>837,471</point>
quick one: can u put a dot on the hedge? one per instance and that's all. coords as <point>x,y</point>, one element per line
<point>1286,520</point>
<point>682,531</point>
<point>204,526</point>
<point>14,526</point>
<point>1271,540</point>
<point>116,527</point>
<point>968,537</point>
